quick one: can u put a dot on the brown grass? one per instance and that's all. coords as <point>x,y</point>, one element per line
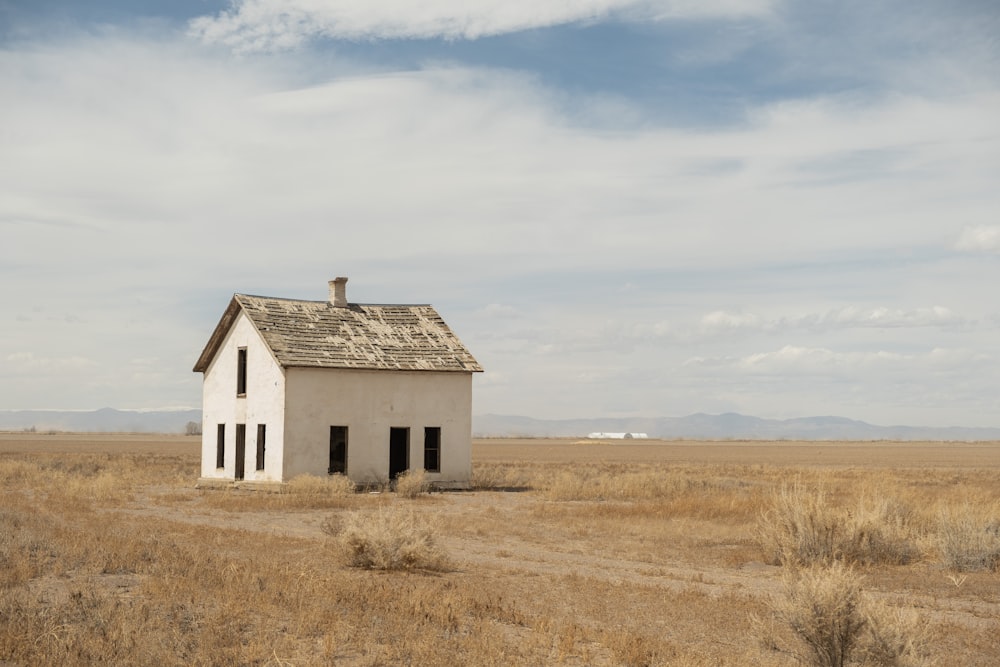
<point>605,556</point>
<point>312,486</point>
<point>969,538</point>
<point>894,637</point>
<point>802,527</point>
<point>412,483</point>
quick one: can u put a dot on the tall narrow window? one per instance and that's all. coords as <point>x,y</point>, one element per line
<point>338,450</point>
<point>261,434</point>
<point>220,447</point>
<point>241,371</point>
<point>432,449</point>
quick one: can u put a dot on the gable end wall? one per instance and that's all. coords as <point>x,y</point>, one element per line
<point>263,404</point>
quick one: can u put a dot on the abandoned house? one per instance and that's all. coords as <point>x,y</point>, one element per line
<point>321,387</point>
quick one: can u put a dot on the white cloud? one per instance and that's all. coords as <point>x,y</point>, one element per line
<point>793,360</point>
<point>720,320</point>
<point>979,238</point>
<point>275,25</point>
<point>883,317</point>
<point>143,183</point>
<point>20,363</point>
<point>796,361</point>
<point>498,311</point>
<point>482,156</point>
<point>847,317</point>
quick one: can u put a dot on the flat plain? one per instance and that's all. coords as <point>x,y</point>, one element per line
<point>571,552</point>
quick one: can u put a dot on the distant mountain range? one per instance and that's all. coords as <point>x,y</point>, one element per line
<point>106,420</point>
<point>729,426</point>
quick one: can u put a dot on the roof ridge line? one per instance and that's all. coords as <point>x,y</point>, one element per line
<point>285,298</point>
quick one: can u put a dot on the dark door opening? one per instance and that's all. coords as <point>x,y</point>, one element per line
<point>399,451</point>
<point>241,449</point>
<point>338,450</point>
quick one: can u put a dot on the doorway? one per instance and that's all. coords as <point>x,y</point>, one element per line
<point>241,449</point>
<point>338,451</point>
<point>399,451</point>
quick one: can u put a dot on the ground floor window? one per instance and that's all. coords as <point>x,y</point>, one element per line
<point>338,450</point>
<point>220,446</point>
<point>432,449</point>
<point>261,436</point>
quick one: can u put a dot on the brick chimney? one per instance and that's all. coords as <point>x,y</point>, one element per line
<point>338,292</point>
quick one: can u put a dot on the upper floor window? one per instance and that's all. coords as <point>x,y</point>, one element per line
<point>241,372</point>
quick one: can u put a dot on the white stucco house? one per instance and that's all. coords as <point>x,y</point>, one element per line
<point>321,387</point>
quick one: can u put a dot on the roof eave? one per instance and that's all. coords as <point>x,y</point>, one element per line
<point>219,335</point>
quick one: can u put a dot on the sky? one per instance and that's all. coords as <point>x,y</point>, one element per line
<point>622,207</point>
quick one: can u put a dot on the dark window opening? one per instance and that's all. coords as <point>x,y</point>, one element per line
<point>241,371</point>
<point>241,449</point>
<point>261,435</point>
<point>220,447</point>
<point>432,449</point>
<point>399,451</point>
<point>338,450</point>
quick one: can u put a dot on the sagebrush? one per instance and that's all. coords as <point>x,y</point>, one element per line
<point>825,619</point>
<point>412,483</point>
<point>387,539</point>
<point>969,540</point>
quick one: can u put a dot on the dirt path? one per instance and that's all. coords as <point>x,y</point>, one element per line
<point>545,557</point>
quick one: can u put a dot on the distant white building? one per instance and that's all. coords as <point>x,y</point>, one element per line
<point>321,387</point>
<point>617,436</point>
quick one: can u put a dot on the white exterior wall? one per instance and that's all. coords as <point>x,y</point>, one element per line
<point>262,404</point>
<point>369,403</point>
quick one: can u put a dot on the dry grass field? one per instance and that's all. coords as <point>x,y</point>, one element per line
<point>565,553</point>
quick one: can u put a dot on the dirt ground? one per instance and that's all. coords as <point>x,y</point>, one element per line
<point>99,443</point>
<point>566,555</point>
<point>568,450</point>
<point>745,452</point>
<point>538,555</point>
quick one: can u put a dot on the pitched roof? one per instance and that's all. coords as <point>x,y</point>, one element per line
<point>317,334</point>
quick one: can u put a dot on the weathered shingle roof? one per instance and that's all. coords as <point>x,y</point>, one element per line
<point>373,337</point>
